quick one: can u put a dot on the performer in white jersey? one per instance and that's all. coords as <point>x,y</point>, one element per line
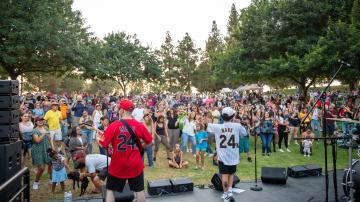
<point>227,148</point>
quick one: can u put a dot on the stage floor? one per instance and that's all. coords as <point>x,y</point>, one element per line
<point>308,189</point>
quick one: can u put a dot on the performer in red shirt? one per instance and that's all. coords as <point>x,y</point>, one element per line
<point>126,161</point>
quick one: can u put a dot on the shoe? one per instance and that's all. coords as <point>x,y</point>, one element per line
<point>296,143</point>
<point>224,197</point>
<point>210,155</point>
<point>194,155</point>
<point>263,154</point>
<point>206,154</point>
<point>188,150</point>
<point>50,181</point>
<point>308,155</point>
<point>268,154</point>
<point>249,159</point>
<point>35,185</point>
<point>154,159</point>
<point>281,150</point>
<point>305,155</point>
<point>288,150</point>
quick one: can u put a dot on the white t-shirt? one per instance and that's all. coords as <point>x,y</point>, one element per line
<point>227,141</point>
<point>315,115</point>
<point>189,127</point>
<point>138,114</point>
<point>95,162</point>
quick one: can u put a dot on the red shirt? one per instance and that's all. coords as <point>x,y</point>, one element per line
<point>126,161</point>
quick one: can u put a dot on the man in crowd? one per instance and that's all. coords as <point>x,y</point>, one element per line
<point>53,118</point>
<point>126,164</point>
<point>138,112</point>
<point>78,109</point>
<point>90,165</point>
<point>227,146</point>
<point>64,107</point>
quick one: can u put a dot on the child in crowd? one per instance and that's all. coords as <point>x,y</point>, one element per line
<point>201,145</point>
<point>177,160</point>
<point>58,169</point>
<point>307,146</point>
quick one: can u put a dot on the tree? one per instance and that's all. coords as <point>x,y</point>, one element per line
<point>126,61</point>
<point>204,78</point>
<point>186,58</point>
<point>167,58</point>
<point>40,36</point>
<point>233,23</point>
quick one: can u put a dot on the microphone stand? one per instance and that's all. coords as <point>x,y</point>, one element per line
<point>255,187</point>
<point>324,135</point>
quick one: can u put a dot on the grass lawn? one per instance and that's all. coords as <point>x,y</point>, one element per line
<point>245,170</point>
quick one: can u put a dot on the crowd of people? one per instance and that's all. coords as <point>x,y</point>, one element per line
<point>57,129</point>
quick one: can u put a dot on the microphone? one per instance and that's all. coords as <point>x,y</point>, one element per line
<point>344,63</point>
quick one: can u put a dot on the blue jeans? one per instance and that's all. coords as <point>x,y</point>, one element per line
<point>184,139</point>
<point>89,137</point>
<point>64,130</point>
<point>315,124</point>
<point>346,128</point>
<point>266,140</point>
<point>149,154</point>
<point>102,150</point>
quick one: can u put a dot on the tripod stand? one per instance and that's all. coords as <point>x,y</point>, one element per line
<point>256,187</point>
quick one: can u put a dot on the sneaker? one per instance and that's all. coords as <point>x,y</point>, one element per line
<point>308,155</point>
<point>50,181</point>
<point>305,155</point>
<point>210,155</point>
<point>263,154</point>
<point>288,150</point>
<point>281,150</point>
<point>35,185</point>
<point>224,196</point>
<point>249,159</point>
<point>188,150</point>
<point>194,155</point>
<point>268,154</point>
<point>296,143</point>
<point>154,159</point>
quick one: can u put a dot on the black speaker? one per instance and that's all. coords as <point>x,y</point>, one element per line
<point>159,187</point>
<point>9,116</point>
<point>273,175</point>
<point>297,171</point>
<point>217,182</point>
<point>10,162</point>
<point>9,87</point>
<point>125,196</point>
<point>11,189</point>
<point>182,185</point>
<point>9,132</point>
<point>313,169</point>
<point>10,102</point>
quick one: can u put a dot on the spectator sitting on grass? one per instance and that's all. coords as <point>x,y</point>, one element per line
<point>177,160</point>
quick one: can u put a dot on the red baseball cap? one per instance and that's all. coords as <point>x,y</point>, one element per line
<point>126,105</point>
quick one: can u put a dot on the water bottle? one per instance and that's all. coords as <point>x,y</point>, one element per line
<point>68,196</point>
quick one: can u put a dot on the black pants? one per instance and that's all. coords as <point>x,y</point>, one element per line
<point>283,136</point>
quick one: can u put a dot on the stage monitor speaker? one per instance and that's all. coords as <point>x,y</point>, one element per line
<point>9,102</point>
<point>313,169</point>
<point>159,187</point>
<point>126,196</point>
<point>10,162</point>
<point>297,171</point>
<point>217,182</point>
<point>273,175</point>
<point>182,185</point>
<point>11,189</point>
<point>9,132</point>
<point>9,117</point>
<point>9,87</point>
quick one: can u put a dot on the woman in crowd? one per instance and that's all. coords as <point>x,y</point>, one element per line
<point>161,136</point>
<point>173,127</point>
<point>266,133</point>
<point>294,125</point>
<point>41,142</point>
<point>282,123</point>
<point>38,111</point>
<point>148,122</point>
<point>177,160</point>
<point>86,123</point>
<point>188,133</point>
<point>26,128</point>
<point>78,141</point>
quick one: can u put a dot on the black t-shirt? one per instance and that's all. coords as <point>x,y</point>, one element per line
<point>172,121</point>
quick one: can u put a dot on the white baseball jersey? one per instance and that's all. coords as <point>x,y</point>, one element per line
<point>227,137</point>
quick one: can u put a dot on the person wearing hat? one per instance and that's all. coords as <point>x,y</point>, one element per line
<point>126,162</point>
<point>53,118</point>
<point>227,137</point>
<point>41,142</point>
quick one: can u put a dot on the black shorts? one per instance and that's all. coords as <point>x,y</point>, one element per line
<point>225,169</point>
<point>136,184</point>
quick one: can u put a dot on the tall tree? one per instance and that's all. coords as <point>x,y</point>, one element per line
<point>40,36</point>
<point>186,58</point>
<point>232,25</point>
<point>126,61</point>
<point>204,78</point>
<point>167,58</point>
